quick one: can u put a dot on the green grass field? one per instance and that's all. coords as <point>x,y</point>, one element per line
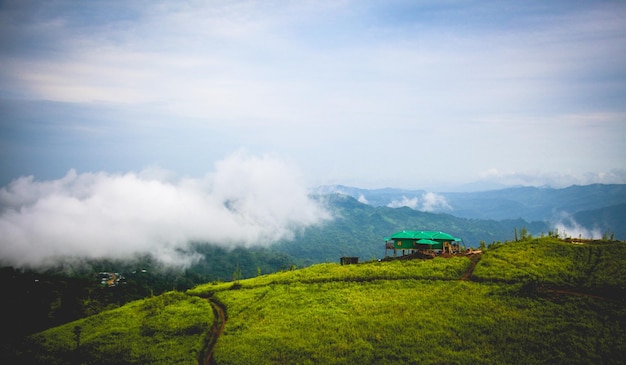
<point>168,329</point>
<point>595,267</point>
<point>415,321</point>
<point>540,301</point>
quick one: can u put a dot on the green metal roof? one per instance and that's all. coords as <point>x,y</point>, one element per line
<point>427,242</point>
<point>423,235</point>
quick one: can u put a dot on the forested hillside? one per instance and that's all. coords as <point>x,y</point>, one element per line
<point>359,229</point>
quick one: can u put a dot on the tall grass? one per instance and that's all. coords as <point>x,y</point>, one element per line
<point>436,269</point>
<point>418,312</point>
<point>591,266</point>
<point>415,321</point>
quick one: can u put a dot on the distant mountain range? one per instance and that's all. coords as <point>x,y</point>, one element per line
<point>364,217</point>
<point>359,229</point>
<point>528,203</point>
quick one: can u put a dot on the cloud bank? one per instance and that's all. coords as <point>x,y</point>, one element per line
<point>245,201</point>
<point>429,202</point>
<point>565,224</point>
<point>556,180</point>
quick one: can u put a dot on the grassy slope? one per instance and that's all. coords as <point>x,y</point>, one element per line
<point>414,321</point>
<point>598,268</point>
<point>168,329</point>
<point>384,312</point>
<point>427,315</point>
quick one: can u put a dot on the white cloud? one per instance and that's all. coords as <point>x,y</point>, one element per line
<point>432,201</point>
<point>566,226</point>
<point>404,202</point>
<point>216,58</point>
<point>362,199</point>
<point>429,202</point>
<point>552,179</point>
<point>246,201</point>
<point>298,77</point>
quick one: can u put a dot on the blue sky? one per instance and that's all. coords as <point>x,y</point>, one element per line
<point>406,94</point>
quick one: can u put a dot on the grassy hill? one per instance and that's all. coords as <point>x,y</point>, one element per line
<point>538,301</point>
<point>171,328</point>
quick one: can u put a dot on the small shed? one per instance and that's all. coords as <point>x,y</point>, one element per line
<point>349,260</point>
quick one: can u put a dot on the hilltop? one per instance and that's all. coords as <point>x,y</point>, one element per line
<point>358,229</point>
<point>535,301</point>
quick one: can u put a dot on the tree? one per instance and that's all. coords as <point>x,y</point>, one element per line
<point>237,274</point>
<point>523,233</point>
<point>77,332</point>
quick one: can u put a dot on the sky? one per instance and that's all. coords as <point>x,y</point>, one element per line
<point>406,94</point>
<point>100,95</point>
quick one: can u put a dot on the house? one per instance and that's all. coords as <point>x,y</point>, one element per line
<point>422,241</point>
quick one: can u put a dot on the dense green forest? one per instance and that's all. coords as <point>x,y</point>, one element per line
<point>540,300</point>
<point>359,230</point>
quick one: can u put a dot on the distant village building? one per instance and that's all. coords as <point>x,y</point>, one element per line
<point>349,260</point>
<point>109,279</point>
<point>427,243</point>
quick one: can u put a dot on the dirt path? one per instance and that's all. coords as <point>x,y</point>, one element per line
<point>468,275</point>
<point>219,312</point>
<point>216,331</point>
<point>219,323</point>
<point>475,258</point>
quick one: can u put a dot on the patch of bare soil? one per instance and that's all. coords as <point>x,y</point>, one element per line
<point>475,258</point>
<point>216,331</point>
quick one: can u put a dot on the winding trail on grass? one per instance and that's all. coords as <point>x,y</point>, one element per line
<point>476,258</point>
<point>219,312</point>
<point>468,275</point>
